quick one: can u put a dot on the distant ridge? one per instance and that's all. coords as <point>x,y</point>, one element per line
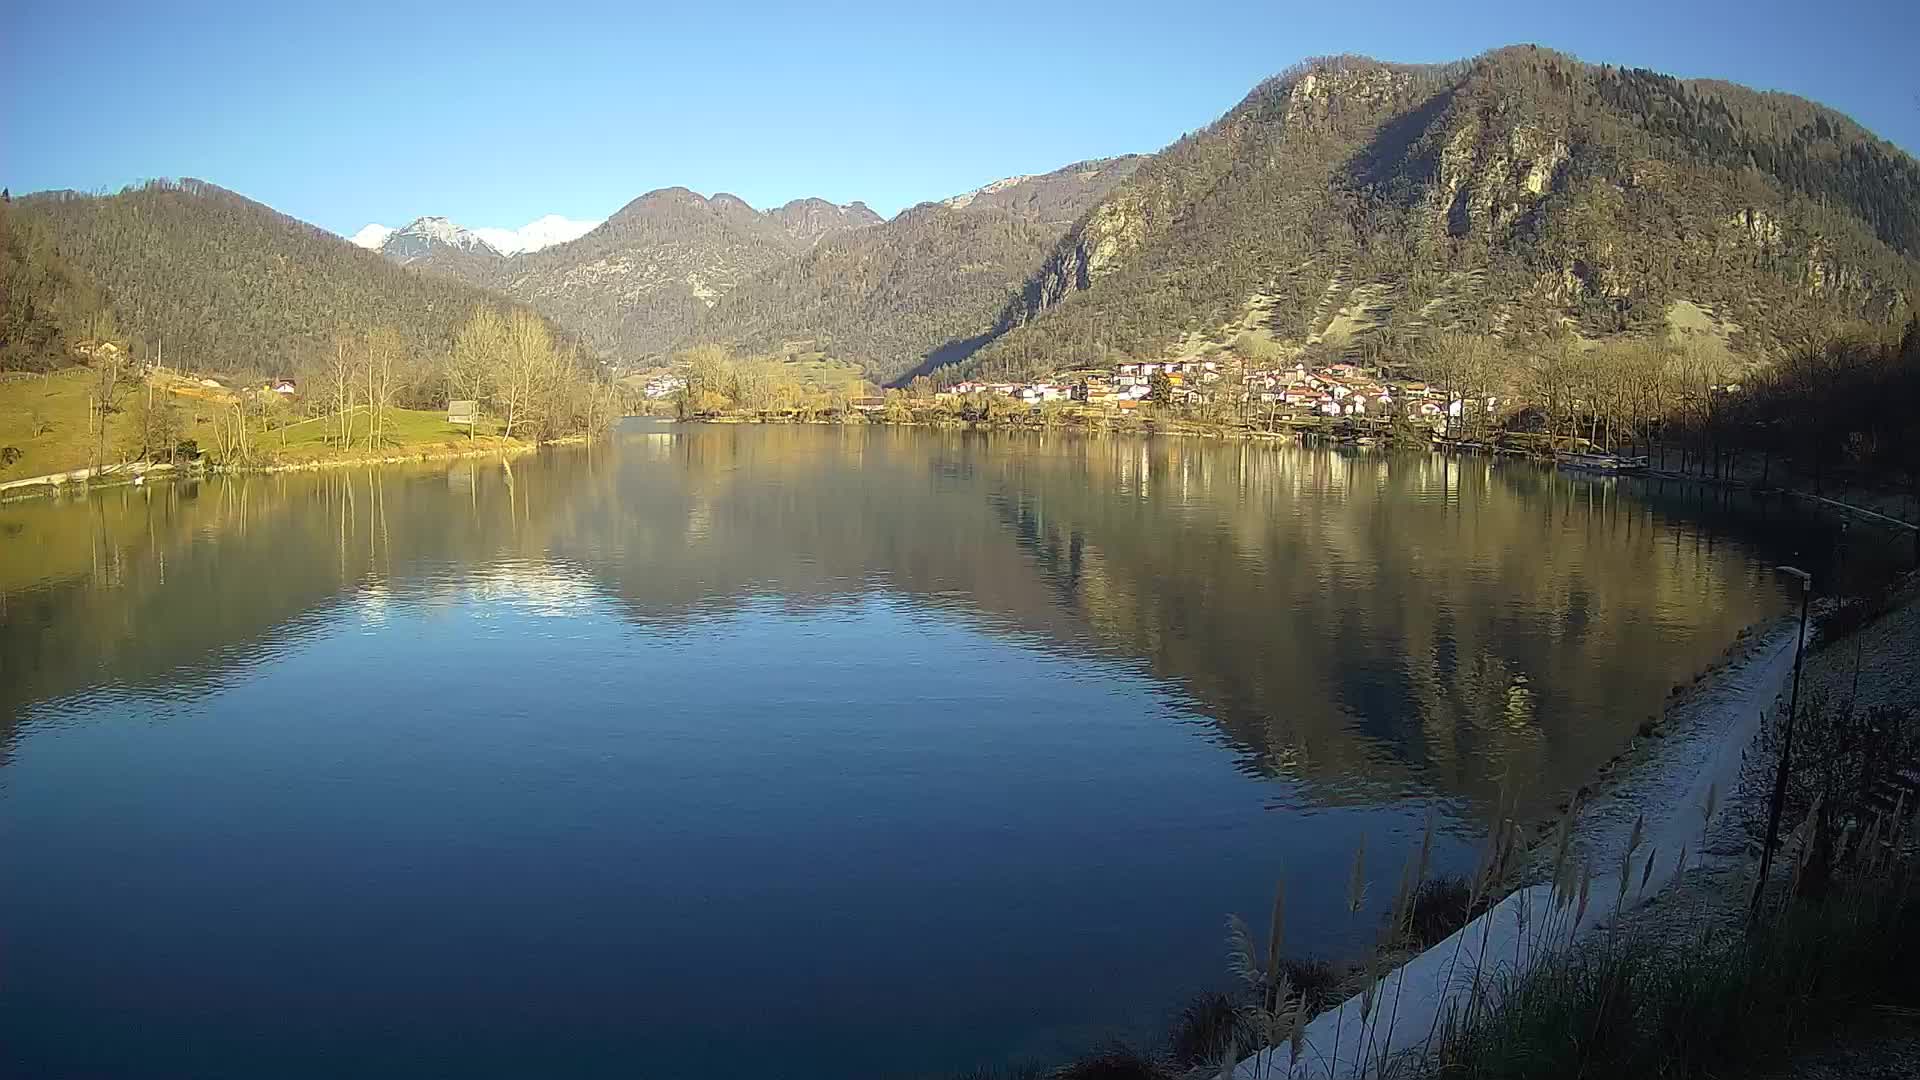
<point>231,285</point>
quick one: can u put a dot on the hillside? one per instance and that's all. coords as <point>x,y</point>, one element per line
<point>1352,206</point>
<point>809,220</point>
<point>229,285</point>
<point>912,292</point>
<point>640,280</point>
<point>46,306</point>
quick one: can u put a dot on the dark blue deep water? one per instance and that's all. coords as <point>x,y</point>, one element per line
<point>782,752</point>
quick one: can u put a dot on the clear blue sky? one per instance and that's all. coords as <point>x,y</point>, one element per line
<point>496,114</point>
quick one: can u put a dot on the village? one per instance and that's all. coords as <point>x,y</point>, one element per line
<point>1339,389</point>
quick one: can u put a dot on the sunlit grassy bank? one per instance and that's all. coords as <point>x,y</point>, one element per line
<point>50,424</point>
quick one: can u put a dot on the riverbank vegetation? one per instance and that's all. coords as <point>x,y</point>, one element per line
<point>365,397</point>
<point>175,322</point>
<point>1830,418</point>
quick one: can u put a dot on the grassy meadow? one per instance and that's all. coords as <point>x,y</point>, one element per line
<point>48,422</point>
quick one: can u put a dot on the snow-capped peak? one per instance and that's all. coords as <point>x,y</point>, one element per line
<point>372,236</point>
<point>539,233</point>
<point>441,231</point>
<point>412,241</point>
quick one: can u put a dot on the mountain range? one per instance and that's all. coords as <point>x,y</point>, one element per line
<point>1347,206</point>
<point>674,267</point>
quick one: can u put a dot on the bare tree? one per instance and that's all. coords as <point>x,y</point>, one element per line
<point>385,353</point>
<point>339,390</point>
<point>479,352</point>
<point>527,366</point>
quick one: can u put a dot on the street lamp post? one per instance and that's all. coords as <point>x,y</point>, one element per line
<point>1778,803</point>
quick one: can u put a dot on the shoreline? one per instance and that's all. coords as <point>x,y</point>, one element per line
<point>126,473</point>
<point>1291,431</point>
<point>1712,727</point>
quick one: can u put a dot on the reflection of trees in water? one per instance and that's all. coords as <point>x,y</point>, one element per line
<point>1424,621</point>
<point>1414,620</point>
<point>169,587</point>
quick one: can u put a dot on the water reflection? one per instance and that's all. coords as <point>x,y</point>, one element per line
<point>516,751</point>
<point>1367,623</point>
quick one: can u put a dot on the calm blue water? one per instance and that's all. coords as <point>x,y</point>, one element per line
<point>780,752</point>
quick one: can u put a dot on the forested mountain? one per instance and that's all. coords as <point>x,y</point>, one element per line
<point>1355,206</point>
<point>45,305</point>
<point>916,291</point>
<point>641,279</point>
<point>225,283</point>
<point>807,220</point>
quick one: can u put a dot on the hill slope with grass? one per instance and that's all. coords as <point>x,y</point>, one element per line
<point>1355,207</point>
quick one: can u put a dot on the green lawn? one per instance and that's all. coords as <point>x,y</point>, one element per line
<point>45,419</point>
<point>404,431</point>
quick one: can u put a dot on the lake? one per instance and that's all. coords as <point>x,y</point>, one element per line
<point>803,752</point>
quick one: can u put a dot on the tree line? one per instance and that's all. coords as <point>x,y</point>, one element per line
<point>534,385</point>
<point>46,305</point>
<point>718,382</point>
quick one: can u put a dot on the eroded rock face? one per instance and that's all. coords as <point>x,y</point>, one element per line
<point>1487,182</point>
<point>1589,275</point>
<point>1114,228</point>
<point>1760,228</point>
<point>1319,97</point>
<point>1826,276</point>
<point>1311,105</point>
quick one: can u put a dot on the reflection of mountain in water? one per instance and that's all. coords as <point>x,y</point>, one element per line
<point>1420,621</point>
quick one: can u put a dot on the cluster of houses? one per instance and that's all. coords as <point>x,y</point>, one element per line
<point>1337,390</point>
